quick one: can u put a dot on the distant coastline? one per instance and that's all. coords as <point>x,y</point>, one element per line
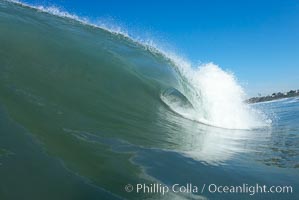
<point>274,96</point>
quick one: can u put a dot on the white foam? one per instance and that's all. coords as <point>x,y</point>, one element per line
<point>219,99</point>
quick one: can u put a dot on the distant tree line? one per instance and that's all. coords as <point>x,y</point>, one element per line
<point>274,96</point>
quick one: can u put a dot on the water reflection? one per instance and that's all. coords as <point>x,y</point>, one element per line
<point>211,145</point>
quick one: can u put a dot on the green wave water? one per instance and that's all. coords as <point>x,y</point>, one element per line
<point>85,111</point>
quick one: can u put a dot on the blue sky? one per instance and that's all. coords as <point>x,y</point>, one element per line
<point>257,40</point>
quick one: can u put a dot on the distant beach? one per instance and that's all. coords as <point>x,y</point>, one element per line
<point>274,96</point>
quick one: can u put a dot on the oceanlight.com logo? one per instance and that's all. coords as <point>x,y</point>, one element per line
<point>158,188</point>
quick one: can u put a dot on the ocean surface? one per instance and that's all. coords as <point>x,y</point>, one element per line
<point>85,110</point>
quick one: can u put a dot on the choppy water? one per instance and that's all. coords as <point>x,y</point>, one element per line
<point>85,111</point>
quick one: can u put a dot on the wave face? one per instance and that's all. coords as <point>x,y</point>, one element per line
<point>216,97</point>
<point>82,90</point>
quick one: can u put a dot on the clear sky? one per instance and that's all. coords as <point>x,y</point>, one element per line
<point>258,40</point>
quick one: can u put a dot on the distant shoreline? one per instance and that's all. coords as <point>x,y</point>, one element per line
<point>274,96</point>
